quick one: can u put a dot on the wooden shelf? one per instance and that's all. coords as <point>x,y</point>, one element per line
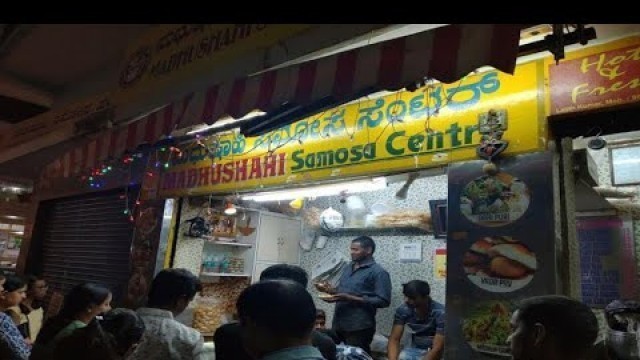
<point>400,231</point>
<point>212,274</point>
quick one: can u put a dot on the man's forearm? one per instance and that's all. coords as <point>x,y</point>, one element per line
<point>434,354</point>
<point>437,350</point>
<point>376,301</point>
<point>393,350</point>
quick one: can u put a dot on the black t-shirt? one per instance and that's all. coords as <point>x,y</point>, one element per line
<point>333,335</point>
<point>228,344</point>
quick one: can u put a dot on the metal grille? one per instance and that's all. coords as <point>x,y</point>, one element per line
<point>87,239</point>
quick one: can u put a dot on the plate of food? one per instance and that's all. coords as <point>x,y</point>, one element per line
<point>325,296</point>
<point>324,287</point>
<point>499,264</point>
<point>495,200</point>
<point>487,327</point>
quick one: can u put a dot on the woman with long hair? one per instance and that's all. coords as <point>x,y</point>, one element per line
<point>12,344</point>
<point>15,291</point>
<point>81,305</point>
<point>112,338</point>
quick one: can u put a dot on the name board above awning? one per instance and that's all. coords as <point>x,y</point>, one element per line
<point>445,54</point>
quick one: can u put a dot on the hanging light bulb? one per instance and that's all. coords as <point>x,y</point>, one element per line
<point>230,209</point>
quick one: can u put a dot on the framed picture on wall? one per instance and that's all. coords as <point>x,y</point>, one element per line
<point>624,164</point>
<point>439,218</point>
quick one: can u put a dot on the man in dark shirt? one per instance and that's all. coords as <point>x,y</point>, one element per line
<point>228,340</point>
<point>276,321</point>
<point>424,319</point>
<point>552,327</point>
<point>364,287</point>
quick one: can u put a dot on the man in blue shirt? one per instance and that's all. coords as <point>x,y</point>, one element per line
<point>364,287</point>
<point>424,319</point>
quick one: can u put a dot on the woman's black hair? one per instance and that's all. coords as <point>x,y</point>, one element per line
<point>108,339</point>
<point>81,297</point>
<point>13,283</point>
<point>77,300</point>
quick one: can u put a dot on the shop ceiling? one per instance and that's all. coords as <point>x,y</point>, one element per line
<point>42,66</point>
<point>48,65</point>
<point>45,66</point>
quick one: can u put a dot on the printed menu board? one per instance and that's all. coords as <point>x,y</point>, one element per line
<point>500,250</point>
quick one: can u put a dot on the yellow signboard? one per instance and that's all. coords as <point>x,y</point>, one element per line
<point>403,131</point>
<point>169,54</point>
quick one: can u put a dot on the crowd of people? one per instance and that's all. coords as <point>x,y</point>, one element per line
<point>87,328</point>
<point>277,319</point>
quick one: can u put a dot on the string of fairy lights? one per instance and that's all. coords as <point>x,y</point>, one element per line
<point>159,156</point>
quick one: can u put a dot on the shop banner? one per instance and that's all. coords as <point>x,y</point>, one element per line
<point>500,249</point>
<point>168,55</point>
<point>596,77</point>
<point>432,126</point>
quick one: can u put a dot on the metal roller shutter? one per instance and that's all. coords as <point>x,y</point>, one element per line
<point>86,239</point>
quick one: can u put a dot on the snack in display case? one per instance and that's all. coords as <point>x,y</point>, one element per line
<point>207,315</point>
<point>216,304</point>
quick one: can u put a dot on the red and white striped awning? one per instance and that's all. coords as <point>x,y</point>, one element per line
<point>445,54</point>
<point>114,143</point>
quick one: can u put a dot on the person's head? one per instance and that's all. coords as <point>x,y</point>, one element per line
<point>321,319</point>
<point>112,338</point>
<point>285,272</point>
<point>362,248</point>
<point>173,290</point>
<point>15,290</point>
<point>275,314</point>
<point>36,287</point>
<point>416,293</point>
<point>86,301</point>
<point>552,327</point>
<point>125,327</point>
<point>83,302</point>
